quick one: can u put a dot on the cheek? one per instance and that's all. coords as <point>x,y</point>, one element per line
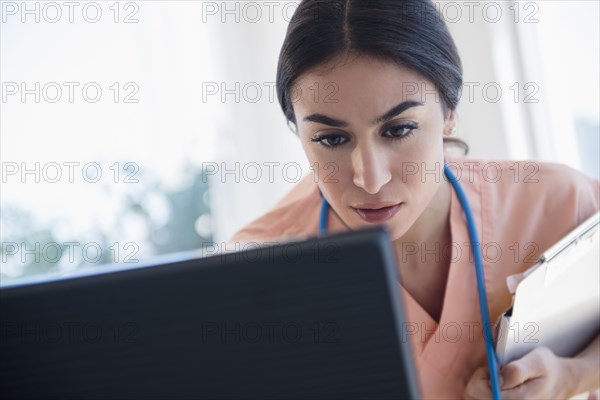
<point>333,179</point>
<point>427,154</point>
<point>328,167</point>
<point>417,172</point>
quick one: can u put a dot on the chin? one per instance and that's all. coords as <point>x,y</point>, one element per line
<point>396,233</point>
<point>397,229</point>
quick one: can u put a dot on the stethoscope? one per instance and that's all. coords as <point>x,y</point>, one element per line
<point>483,302</point>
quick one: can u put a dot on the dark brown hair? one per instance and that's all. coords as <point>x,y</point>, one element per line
<point>411,33</point>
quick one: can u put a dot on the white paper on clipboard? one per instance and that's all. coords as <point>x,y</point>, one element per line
<point>557,301</point>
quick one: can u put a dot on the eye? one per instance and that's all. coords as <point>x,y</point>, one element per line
<point>400,131</point>
<point>330,141</point>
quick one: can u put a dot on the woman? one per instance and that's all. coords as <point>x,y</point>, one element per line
<point>371,89</point>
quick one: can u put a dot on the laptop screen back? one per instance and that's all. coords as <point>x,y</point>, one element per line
<point>319,318</point>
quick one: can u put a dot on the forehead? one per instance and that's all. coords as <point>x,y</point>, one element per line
<point>359,87</point>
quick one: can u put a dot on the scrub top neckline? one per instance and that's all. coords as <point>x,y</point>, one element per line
<point>460,308</point>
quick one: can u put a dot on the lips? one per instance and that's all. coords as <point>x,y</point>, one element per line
<point>375,213</point>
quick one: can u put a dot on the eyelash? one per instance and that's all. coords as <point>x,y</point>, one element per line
<point>410,127</point>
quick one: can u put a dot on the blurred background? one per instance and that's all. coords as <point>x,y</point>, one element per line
<point>133,129</point>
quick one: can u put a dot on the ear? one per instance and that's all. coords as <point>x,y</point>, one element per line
<point>450,123</point>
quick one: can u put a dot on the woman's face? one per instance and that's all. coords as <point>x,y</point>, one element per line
<point>372,131</point>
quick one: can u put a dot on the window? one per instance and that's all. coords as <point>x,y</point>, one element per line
<point>560,51</point>
<point>104,134</point>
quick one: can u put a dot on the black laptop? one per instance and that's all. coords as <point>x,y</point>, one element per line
<point>318,318</point>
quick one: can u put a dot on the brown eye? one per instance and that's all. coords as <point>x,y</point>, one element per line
<point>400,131</point>
<point>330,140</point>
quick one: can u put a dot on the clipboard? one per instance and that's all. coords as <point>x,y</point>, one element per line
<point>556,301</point>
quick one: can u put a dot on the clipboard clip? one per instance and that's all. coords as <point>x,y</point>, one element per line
<point>584,231</point>
<point>588,230</point>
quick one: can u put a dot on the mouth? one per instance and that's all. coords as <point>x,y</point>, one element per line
<point>377,213</point>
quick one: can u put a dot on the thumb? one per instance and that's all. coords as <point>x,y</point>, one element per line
<point>517,372</point>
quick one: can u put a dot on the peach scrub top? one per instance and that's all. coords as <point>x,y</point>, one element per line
<point>521,208</point>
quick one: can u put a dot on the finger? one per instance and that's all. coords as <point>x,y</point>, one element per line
<point>594,394</point>
<point>478,386</point>
<point>531,389</point>
<point>530,366</point>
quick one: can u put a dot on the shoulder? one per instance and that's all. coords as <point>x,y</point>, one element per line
<point>294,215</point>
<point>544,188</point>
<point>531,203</point>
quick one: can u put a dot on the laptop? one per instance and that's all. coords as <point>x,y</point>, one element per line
<point>312,318</point>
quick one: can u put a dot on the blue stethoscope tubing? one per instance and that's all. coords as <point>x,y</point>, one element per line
<point>478,258</point>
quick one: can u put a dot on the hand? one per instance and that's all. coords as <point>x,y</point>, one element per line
<point>539,374</point>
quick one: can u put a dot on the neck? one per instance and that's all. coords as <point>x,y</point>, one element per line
<point>431,229</point>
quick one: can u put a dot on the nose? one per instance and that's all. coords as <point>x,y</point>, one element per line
<point>371,169</point>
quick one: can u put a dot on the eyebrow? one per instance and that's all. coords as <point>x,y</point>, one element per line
<point>338,123</point>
